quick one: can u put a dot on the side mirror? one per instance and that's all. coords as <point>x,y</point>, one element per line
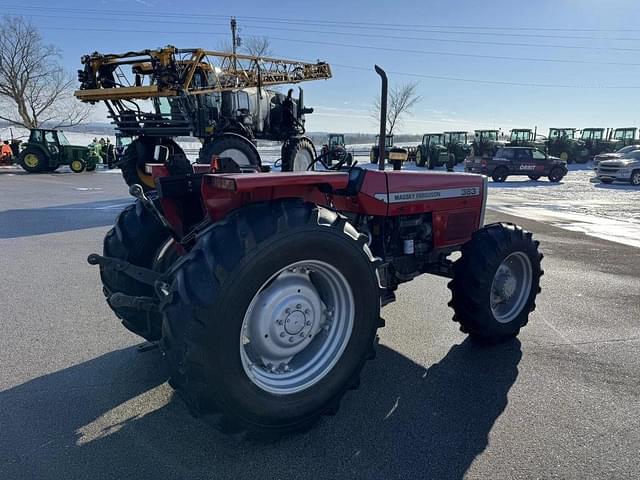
<point>161,154</point>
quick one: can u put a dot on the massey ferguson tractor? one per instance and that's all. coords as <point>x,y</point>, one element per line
<point>264,290</point>
<point>220,98</point>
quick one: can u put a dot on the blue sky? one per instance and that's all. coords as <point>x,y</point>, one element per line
<point>576,44</point>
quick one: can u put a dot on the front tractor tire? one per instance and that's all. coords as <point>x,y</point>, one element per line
<point>77,165</point>
<point>270,318</point>
<point>140,239</point>
<point>297,154</point>
<point>495,282</point>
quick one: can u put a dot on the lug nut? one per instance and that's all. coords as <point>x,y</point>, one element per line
<point>298,306</point>
<point>282,334</point>
<point>287,310</point>
<point>308,323</point>
<point>307,311</point>
<point>279,322</point>
<point>291,339</point>
<point>302,334</point>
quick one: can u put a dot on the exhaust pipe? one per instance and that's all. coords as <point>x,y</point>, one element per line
<point>383,117</point>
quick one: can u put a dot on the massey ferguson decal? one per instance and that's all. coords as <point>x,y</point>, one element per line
<point>399,197</point>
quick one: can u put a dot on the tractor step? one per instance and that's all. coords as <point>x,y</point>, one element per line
<point>143,275</point>
<point>120,300</point>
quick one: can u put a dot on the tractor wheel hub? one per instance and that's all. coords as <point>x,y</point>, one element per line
<point>511,287</point>
<point>295,322</point>
<point>296,327</point>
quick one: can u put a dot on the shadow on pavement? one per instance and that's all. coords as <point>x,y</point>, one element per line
<point>518,182</point>
<point>63,218</point>
<point>115,417</point>
<point>618,186</point>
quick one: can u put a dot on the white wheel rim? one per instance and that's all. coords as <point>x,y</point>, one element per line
<point>302,160</point>
<point>511,287</point>
<point>297,327</point>
<point>237,155</point>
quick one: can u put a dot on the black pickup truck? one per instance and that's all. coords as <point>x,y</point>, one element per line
<point>507,161</point>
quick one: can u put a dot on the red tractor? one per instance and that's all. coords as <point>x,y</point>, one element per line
<point>264,290</point>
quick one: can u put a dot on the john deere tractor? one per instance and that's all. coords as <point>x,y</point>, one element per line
<point>46,150</point>
<point>388,145</point>
<point>485,143</point>
<point>621,137</point>
<point>595,141</point>
<point>523,137</point>
<point>562,143</point>
<point>457,146</point>
<point>433,152</point>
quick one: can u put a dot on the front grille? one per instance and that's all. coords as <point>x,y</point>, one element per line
<point>608,170</point>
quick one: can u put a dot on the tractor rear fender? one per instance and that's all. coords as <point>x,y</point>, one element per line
<point>222,193</point>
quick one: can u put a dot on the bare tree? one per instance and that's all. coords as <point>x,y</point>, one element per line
<point>256,46</point>
<point>34,88</point>
<point>402,99</point>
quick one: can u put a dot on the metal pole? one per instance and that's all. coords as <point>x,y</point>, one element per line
<point>383,117</point>
<point>233,40</point>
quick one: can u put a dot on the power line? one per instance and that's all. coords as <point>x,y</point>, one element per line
<point>350,24</point>
<point>393,37</point>
<point>492,82</point>
<point>365,47</point>
<point>123,18</point>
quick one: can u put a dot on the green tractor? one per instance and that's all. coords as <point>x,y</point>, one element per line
<point>595,142</point>
<point>457,145</point>
<point>523,137</point>
<point>46,150</point>
<point>388,145</point>
<point>621,137</point>
<point>485,143</point>
<point>433,152</point>
<point>562,143</point>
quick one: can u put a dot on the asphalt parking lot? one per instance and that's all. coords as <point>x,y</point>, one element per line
<point>77,399</point>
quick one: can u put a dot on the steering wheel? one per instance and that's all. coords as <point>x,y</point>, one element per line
<point>343,157</point>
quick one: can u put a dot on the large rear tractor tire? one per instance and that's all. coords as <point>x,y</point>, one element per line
<point>140,239</point>
<point>297,155</point>
<point>431,163</point>
<point>373,156</point>
<point>451,163</point>
<point>33,160</point>
<point>495,282</point>
<point>138,154</point>
<point>238,148</point>
<point>270,318</point>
